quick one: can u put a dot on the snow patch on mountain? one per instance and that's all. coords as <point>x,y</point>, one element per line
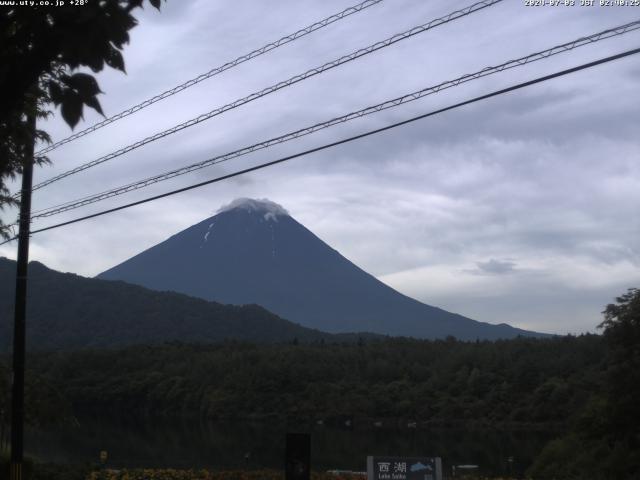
<point>270,209</point>
<point>206,235</point>
<point>273,242</point>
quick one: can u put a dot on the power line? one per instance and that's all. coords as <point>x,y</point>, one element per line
<point>611,32</point>
<point>346,140</point>
<point>278,86</point>
<point>215,71</point>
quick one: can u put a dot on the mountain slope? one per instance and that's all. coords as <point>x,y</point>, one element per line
<point>67,311</point>
<point>254,252</point>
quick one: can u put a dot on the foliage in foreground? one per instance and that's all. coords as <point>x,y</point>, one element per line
<point>75,472</point>
<point>171,474</point>
<point>604,440</point>
<point>45,471</point>
<point>41,49</point>
<point>37,471</point>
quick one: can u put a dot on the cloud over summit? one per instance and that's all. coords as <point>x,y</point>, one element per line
<point>536,191</point>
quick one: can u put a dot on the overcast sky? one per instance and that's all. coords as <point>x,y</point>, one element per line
<point>522,209</point>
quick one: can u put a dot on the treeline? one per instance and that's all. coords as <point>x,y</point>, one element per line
<point>603,438</point>
<point>521,381</point>
<point>587,385</point>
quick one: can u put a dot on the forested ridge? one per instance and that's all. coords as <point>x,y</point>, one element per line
<point>521,381</point>
<point>587,387</point>
<point>102,314</point>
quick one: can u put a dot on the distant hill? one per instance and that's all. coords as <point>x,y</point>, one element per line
<point>253,251</point>
<point>66,311</point>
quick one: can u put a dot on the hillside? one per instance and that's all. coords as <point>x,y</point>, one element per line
<point>67,311</point>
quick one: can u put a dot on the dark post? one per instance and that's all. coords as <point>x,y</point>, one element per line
<point>298,456</point>
<point>19,328</point>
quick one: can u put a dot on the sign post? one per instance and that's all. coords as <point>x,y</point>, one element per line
<point>404,468</point>
<point>298,456</point>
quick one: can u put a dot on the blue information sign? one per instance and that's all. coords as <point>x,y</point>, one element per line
<point>404,468</point>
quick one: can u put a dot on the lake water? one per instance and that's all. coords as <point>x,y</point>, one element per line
<point>164,443</point>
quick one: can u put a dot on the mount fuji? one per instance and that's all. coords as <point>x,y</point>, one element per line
<point>254,252</point>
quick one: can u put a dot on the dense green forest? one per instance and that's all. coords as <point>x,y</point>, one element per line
<point>603,439</point>
<point>587,386</point>
<point>523,381</point>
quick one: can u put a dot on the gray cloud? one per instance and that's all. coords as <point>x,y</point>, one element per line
<point>548,175</point>
<point>495,267</point>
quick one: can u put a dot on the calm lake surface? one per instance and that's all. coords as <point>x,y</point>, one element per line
<point>170,443</point>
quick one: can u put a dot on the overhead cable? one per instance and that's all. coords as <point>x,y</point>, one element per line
<point>215,71</point>
<point>346,140</point>
<point>278,86</point>
<point>410,97</point>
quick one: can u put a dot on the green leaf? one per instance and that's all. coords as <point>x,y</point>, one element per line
<point>155,3</point>
<point>95,104</point>
<point>95,64</point>
<point>71,108</point>
<point>118,27</point>
<point>55,92</point>
<point>114,60</point>
<point>85,84</point>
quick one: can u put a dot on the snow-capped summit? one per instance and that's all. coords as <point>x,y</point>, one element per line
<point>271,209</point>
<point>253,251</point>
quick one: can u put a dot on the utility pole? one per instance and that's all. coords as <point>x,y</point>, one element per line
<point>19,326</point>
